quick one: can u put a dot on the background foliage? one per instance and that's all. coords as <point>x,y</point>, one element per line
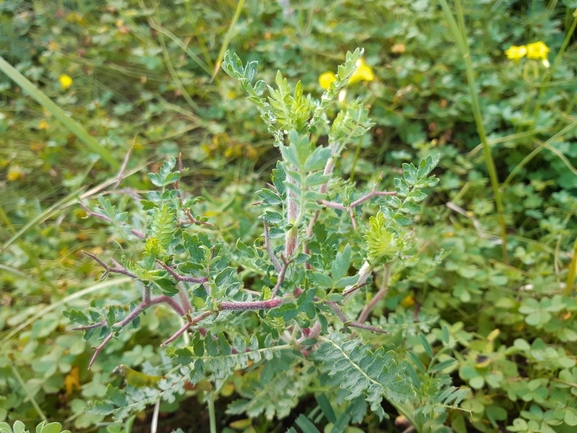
<point>143,80</point>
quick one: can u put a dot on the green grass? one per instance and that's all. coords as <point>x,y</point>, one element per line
<point>147,83</point>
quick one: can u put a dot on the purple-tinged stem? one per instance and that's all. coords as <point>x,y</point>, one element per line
<point>193,220</point>
<point>353,288</point>
<point>252,305</point>
<point>135,232</point>
<point>178,277</point>
<point>281,276</point>
<point>184,299</point>
<point>370,196</point>
<point>380,294</point>
<point>352,324</point>
<point>108,269</point>
<point>162,299</point>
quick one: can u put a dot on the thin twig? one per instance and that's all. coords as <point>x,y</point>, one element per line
<point>370,196</point>
<point>188,324</point>
<point>99,349</point>
<point>354,204</point>
<point>273,258</point>
<point>184,299</point>
<point>350,323</point>
<point>193,220</point>
<point>120,176</point>
<point>178,277</point>
<point>252,305</point>
<point>108,269</point>
<point>103,217</point>
<point>133,314</point>
<point>178,333</point>
<point>281,276</point>
<point>353,288</point>
<point>333,205</point>
<point>380,294</point>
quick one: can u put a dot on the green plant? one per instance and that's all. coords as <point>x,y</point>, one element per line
<point>289,311</point>
<point>142,84</point>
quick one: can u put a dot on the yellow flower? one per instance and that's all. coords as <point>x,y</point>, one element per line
<point>516,52</point>
<point>538,51</point>
<point>408,301</point>
<point>363,73</point>
<point>326,78</point>
<point>65,81</point>
<point>14,173</point>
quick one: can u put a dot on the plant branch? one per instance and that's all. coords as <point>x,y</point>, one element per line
<point>193,220</point>
<point>364,274</point>
<point>120,177</point>
<point>107,269</point>
<point>353,289</point>
<point>133,314</point>
<point>281,276</point>
<point>268,246</point>
<point>188,324</point>
<point>184,299</point>
<point>103,217</point>
<point>356,203</point>
<point>380,294</point>
<point>252,305</point>
<point>370,196</point>
<point>352,324</point>
<point>178,277</point>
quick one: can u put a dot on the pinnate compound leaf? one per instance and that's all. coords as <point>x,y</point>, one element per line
<point>167,286</point>
<point>77,316</point>
<point>359,371</point>
<point>410,173</point>
<point>317,159</point>
<point>320,279</point>
<point>276,395</point>
<point>341,263</point>
<point>269,197</point>
<point>232,65</point>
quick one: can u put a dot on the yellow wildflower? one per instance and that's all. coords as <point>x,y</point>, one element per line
<point>516,52</point>
<point>65,81</point>
<point>72,380</point>
<point>408,301</point>
<point>14,173</point>
<point>363,73</point>
<point>538,51</point>
<point>326,78</point>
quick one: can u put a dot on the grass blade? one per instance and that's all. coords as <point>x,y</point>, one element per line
<point>227,38</point>
<point>57,112</point>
